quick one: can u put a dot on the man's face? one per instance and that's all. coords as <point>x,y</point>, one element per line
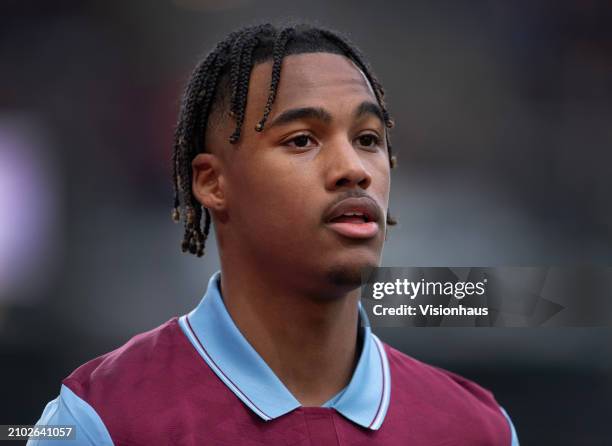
<point>322,143</point>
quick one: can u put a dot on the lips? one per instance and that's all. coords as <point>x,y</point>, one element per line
<point>355,217</point>
<point>363,207</point>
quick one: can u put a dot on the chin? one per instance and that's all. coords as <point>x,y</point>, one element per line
<point>347,275</point>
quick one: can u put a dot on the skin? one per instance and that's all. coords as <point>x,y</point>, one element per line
<point>289,282</point>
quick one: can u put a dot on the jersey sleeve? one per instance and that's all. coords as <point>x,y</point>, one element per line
<point>69,409</point>
<point>514,441</point>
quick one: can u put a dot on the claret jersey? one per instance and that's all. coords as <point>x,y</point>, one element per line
<point>195,380</point>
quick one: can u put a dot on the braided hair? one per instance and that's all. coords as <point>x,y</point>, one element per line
<point>226,71</point>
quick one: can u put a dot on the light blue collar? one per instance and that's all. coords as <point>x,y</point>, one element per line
<point>212,332</point>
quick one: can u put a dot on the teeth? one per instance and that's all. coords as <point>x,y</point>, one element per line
<point>356,214</point>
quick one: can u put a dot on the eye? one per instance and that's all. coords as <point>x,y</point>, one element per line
<point>368,140</point>
<point>300,141</point>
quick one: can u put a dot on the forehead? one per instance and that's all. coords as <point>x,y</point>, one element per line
<point>312,79</point>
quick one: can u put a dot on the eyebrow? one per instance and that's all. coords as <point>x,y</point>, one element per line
<point>369,108</point>
<point>320,114</point>
<point>297,114</point>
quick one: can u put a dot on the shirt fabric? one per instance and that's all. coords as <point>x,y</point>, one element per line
<point>196,380</point>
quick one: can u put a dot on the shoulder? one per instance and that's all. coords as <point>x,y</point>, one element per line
<point>447,401</point>
<point>442,394</point>
<point>153,373</point>
<point>435,380</point>
<point>144,354</point>
<point>150,371</point>
<point>99,395</point>
<point>123,392</point>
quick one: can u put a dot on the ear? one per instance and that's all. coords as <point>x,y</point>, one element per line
<point>208,181</point>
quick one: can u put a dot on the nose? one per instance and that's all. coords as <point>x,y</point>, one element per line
<point>345,167</point>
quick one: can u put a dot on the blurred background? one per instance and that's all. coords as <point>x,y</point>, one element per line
<point>504,138</point>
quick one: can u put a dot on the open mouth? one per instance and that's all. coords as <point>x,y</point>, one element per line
<point>354,224</point>
<point>352,217</point>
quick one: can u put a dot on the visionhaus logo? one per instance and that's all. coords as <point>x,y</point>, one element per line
<point>413,296</point>
<point>487,296</point>
<point>414,289</point>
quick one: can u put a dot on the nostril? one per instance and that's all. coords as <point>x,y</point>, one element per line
<point>364,183</point>
<point>343,182</point>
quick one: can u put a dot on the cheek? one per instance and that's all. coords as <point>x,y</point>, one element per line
<point>277,197</point>
<point>381,180</point>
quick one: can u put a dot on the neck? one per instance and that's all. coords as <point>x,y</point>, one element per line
<point>310,343</point>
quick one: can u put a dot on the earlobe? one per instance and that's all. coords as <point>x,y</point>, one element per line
<point>207,183</point>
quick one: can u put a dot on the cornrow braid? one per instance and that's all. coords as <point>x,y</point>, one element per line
<point>196,104</point>
<point>277,57</point>
<point>235,70</point>
<point>241,87</point>
<point>225,73</point>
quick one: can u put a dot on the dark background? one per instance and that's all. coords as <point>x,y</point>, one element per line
<point>504,130</point>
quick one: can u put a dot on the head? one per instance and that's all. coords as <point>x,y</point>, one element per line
<point>279,130</point>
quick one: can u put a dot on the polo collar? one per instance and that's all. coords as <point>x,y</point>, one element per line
<point>213,333</point>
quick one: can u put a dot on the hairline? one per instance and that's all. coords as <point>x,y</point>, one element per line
<point>220,106</point>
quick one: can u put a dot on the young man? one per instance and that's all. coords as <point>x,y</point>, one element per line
<point>282,143</point>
